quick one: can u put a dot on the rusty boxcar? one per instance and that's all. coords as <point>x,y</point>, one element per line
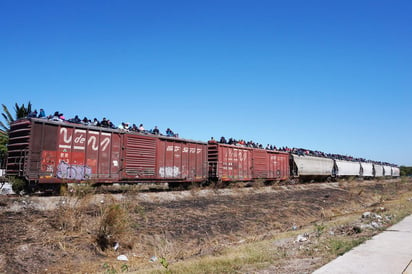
<point>44,151</point>
<point>159,158</point>
<point>240,163</point>
<point>270,164</point>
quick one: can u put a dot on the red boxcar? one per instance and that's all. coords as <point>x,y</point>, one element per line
<point>270,164</point>
<point>159,158</point>
<point>44,151</point>
<point>229,162</point>
<point>239,163</point>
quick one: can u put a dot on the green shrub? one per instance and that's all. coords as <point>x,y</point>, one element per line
<point>18,184</point>
<point>341,246</point>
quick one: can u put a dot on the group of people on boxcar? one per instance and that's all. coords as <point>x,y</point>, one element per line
<point>243,143</point>
<point>134,128</point>
<point>34,114</point>
<point>315,153</point>
<point>106,123</point>
<point>57,116</point>
<point>297,151</point>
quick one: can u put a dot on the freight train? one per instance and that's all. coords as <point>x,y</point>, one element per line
<point>46,153</point>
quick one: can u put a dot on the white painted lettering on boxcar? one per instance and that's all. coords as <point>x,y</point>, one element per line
<point>94,144</point>
<point>80,141</point>
<point>105,143</point>
<point>67,139</point>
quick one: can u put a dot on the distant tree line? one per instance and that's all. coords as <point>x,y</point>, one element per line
<point>406,170</point>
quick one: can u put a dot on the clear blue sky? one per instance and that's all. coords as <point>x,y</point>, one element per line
<point>334,76</point>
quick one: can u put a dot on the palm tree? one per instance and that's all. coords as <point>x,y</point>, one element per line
<point>8,117</point>
<point>3,147</point>
<point>20,112</point>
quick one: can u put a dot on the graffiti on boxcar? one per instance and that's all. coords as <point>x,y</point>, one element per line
<point>169,172</point>
<point>73,172</point>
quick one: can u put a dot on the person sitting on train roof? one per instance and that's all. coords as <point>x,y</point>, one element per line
<point>111,125</point>
<point>170,133</point>
<point>96,122</point>
<point>156,131</point>
<point>42,114</point>
<point>124,126</point>
<point>222,140</point>
<point>104,122</point>
<point>212,140</point>
<point>134,128</point>
<point>75,120</point>
<point>32,114</point>
<point>141,128</point>
<point>85,121</point>
<point>56,116</point>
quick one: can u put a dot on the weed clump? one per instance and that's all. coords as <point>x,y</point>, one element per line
<point>113,226</point>
<point>104,219</point>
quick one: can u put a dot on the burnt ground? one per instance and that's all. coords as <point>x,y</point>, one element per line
<point>77,233</point>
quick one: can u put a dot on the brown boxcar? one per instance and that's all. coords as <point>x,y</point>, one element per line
<point>239,163</point>
<point>159,158</point>
<point>229,162</point>
<point>44,151</point>
<point>270,164</point>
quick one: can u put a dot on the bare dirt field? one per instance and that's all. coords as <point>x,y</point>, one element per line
<point>261,229</point>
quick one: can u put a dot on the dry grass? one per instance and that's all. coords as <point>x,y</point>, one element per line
<point>212,230</point>
<point>88,226</point>
<point>336,233</point>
